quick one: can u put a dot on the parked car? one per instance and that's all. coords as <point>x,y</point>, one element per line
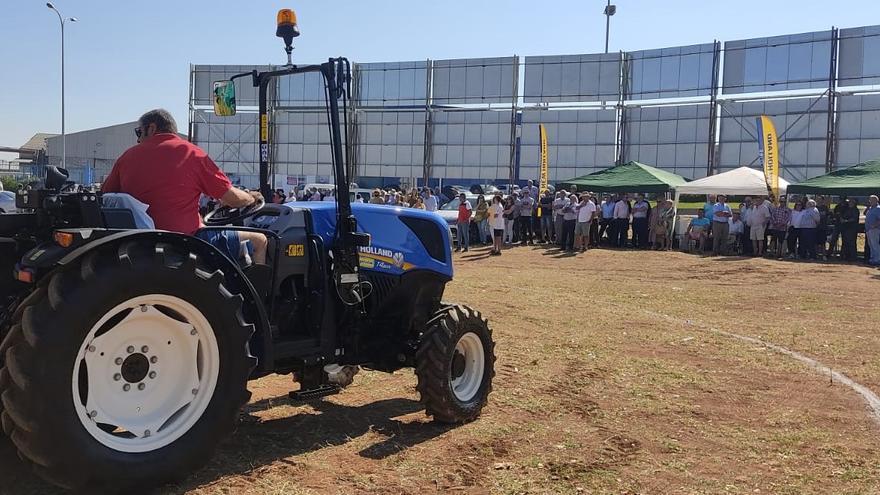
<point>7,202</point>
<point>449,212</point>
<point>485,189</point>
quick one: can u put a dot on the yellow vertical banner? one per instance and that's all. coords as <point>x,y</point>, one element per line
<point>544,165</point>
<point>542,186</point>
<point>768,146</point>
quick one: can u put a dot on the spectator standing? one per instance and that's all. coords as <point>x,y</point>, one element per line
<point>822,229</point>
<point>849,229</point>
<point>585,213</point>
<point>358,198</point>
<point>794,230</point>
<point>509,208</point>
<point>606,219</point>
<point>430,200</point>
<point>809,224</point>
<point>546,234</point>
<point>720,225</point>
<point>709,207</point>
<point>330,196</point>
<point>780,218</point>
<point>278,197</point>
<point>526,208</point>
<point>759,215</point>
<point>745,211</point>
<point>621,221</point>
<point>872,229</point>
<point>481,217</point>
<point>377,198</point>
<point>315,195</point>
<point>640,213</point>
<point>834,226</point>
<point>558,217</point>
<point>496,222</point>
<point>465,210</point>
<point>665,219</point>
<point>594,223</point>
<point>569,221</point>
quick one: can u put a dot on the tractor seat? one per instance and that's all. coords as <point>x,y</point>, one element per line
<point>123,211</point>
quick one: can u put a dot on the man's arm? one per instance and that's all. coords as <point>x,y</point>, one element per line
<point>236,198</point>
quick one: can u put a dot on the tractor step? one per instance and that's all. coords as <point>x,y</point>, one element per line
<point>315,393</point>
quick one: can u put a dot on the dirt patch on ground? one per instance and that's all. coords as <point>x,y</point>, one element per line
<point>595,392</point>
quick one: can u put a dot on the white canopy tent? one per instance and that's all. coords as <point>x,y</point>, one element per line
<point>743,181</point>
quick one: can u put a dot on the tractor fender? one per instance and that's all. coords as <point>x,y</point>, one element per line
<point>232,272</point>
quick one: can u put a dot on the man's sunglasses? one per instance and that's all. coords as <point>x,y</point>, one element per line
<point>138,131</point>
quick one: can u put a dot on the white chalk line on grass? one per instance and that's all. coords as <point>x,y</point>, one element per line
<point>870,397</point>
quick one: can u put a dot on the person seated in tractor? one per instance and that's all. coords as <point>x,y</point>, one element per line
<point>170,174</point>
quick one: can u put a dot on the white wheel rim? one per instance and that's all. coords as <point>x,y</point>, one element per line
<point>469,350</point>
<point>130,408</point>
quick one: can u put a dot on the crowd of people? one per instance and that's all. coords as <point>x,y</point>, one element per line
<point>809,230</point>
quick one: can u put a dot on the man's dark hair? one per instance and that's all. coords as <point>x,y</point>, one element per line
<point>161,118</point>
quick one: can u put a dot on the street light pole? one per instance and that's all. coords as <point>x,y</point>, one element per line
<point>610,10</point>
<point>63,134</point>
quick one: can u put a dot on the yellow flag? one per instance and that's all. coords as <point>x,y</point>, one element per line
<point>769,148</point>
<point>542,186</point>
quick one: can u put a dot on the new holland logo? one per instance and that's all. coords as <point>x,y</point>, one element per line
<point>398,259</point>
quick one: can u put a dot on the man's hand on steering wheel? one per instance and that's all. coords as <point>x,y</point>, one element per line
<point>250,203</point>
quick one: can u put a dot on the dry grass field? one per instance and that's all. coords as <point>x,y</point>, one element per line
<point>612,377</point>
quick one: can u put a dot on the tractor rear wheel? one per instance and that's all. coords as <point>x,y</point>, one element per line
<point>455,364</point>
<point>127,370</point>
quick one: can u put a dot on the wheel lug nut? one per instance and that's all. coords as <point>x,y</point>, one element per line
<point>145,349</point>
<point>126,387</point>
<point>118,361</point>
<point>143,308</point>
<point>195,391</point>
<point>141,386</point>
<point>130,349</point>
<point>93,414</point>
<point>147,433</point>
<point>152,375</point>
<point>193,332</point>
<point>154,359</point>
<point>91,348</point>
<point>117,377</point>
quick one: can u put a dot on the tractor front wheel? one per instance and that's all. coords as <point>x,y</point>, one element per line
<point>127,370</point>
<point>455,364</point>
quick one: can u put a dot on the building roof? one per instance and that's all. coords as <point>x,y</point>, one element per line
<point>38,142</point>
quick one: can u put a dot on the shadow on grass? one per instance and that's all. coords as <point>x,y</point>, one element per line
<point>257,443</point>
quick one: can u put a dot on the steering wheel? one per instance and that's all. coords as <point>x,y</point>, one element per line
<point>226,215</point>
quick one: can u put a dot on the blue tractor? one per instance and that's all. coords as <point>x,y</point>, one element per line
<point>125,353</point>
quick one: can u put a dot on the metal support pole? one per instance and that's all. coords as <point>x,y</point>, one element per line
<point>63,130</point>
<point>621,109</point>
<point>428,135</point>
<point>713,109</point>
<point>511,176</point>
<point>830,134</point>
<point>607,24</point>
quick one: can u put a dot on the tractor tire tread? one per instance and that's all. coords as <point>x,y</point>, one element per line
<point>23,407</point>
<point>433,358</point>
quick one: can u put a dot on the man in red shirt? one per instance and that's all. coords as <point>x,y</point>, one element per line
<point>169,174</point>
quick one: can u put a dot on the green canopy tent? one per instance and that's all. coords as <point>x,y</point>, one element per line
<point>859,180</point>
<point>629,177</point>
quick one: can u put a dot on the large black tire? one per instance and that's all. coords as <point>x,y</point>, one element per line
<point>436,363</point>
<point>40,408</point>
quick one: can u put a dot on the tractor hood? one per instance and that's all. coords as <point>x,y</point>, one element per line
<point>403,239</point>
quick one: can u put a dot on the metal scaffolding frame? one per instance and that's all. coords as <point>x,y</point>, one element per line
<point>715,96</point>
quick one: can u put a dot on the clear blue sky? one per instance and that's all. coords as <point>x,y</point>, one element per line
<point>124,57</point>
